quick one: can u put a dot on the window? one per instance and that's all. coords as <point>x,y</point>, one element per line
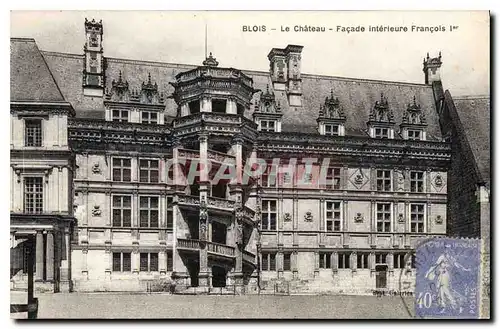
<point>325,260</point>
<point>383,217</point>
<point>333,178</point>
<point>33,195</point>
<point>148,211</point>
<point>416,181</point>
<point>269,176</point>
<point>269,212</point>
<point>219,105</point>
<point>121,262</point>
<point>148,171</point>
<point>412,261</point>
<point>194,107</point>
<point>33,133</point>
<point>149,117</point>
<point>268,125</point>
<point>399,260</point>
<point>383,180</point>
<point>122,211</point>
<point>414,135</point>
<point>344,260</point>
<point>170,261</point>
<point>417,214</point>
<point>333,217</point>
<point>287,262</point>
<point>121,170</point>
<point>363,260</point>
<point>170,214</point>
<point>381,258</point>
<point>332,130</point>
<point>148,262</point>
<point>268,261</point>
<point>381,132</point>
<point>120,115</point>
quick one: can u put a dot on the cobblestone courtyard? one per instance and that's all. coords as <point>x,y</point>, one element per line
<point>110,305</point>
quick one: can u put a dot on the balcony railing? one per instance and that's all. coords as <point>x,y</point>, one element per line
<point>216,72</point>
<point>211,117</point>
<point>188,244</point>
<point>212,247</point>
<point>220,203</point>
<point>220,249</point>
<point>221,157</point>
<point>189,154</point>
<point>248,257</point>
<point>188,200</point>
<point>211,155</point>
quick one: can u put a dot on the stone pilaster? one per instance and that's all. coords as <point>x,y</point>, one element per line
<point>39,256</point>
<point>49,274</point>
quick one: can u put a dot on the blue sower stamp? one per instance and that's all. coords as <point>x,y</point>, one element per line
<point>447,282</point>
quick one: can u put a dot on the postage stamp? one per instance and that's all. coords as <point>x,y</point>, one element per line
<point>447,283</point>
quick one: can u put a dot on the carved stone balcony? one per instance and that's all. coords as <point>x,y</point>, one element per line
<point>188,244</point>
<point>214,156</point>
<point>249,258</point>
<point>217,123</point>
<point>216,205</point>
<point>213,248</point>
<point>220,249</point>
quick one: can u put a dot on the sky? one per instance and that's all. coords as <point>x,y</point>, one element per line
<point>179,37</point>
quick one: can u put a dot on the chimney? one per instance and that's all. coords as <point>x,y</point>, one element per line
<point>294,82</point>
<point>431,69</point>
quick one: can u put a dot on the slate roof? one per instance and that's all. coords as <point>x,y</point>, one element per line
<point>30,77</point>
<point>474,114</point>
<point>357,96</point>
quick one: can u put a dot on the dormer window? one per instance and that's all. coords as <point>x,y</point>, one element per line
<point>332,130</point>
<point>381,133</point>
<point>267,125</point>
<point>414,122</point>
<point>381,120</point>
<point>415,135</point>
<point>331,119</point>
<point>149,117</point>
<point>120,116</point>
<point>268,113</point>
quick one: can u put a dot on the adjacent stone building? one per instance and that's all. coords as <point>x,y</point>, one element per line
<point>352,173</point>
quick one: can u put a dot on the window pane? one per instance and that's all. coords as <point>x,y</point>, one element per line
<point>116,262</point>
<point>126,262</point>
<point>153,262</point>
<point>144,262</point>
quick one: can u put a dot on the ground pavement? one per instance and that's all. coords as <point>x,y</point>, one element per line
<point>119,305</point>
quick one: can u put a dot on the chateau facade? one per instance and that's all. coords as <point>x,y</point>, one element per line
<point>302,183</point>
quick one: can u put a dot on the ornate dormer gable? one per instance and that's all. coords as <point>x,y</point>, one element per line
<point>414,122</point>
<point>120,92</point>
<point>267,112</point>
<point>149,93</point>
<point>381,112</point>
<point>381,119</point>
<point>126,104</point>
<point>331,119</point>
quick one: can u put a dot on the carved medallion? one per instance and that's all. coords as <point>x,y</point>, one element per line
<point>96,212</point>
<point>439,219</point>
<point>96,169</point>
<point>308,216</point>
<point>401,218</point>
<point>358,179</point>
<point>438,182</point>
<point>359,218</point>
<point>287,217</point>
